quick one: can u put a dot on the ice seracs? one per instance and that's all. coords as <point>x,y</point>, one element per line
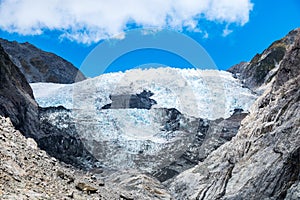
<point>130,137</point>
<point>207,94</point>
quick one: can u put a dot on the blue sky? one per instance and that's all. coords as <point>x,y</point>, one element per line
<point>229,33</point>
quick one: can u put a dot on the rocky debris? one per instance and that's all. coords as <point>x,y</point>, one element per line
<point>139,101</point>
<point>263,67</point>
<point>86,188</point>
<point>64,176</point>
<point>263,160</point>
<point>41,66</point>
<point>136,185</point>
<point>26,172</point>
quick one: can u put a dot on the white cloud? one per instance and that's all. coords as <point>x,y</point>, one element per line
<point>92,20</point>
<point>226,32</point>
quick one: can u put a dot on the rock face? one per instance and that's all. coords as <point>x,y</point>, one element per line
<point>263,67</point>
<point>263,160</point>
<point>41,66</point>
<point>206,136</point>
<point>139,101</point>
<point>62,140</point>
<point>16,98</point>
<point>17,103</point>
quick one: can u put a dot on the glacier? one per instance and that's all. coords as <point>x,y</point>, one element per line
<point>138,138</point>
<point>209,94</point>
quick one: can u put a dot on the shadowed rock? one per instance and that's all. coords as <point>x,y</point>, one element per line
<point>40,66</point>
<point>123,101</point>
<point>17,103</point>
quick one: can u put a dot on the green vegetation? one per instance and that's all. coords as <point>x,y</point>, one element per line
<point>263,67</point>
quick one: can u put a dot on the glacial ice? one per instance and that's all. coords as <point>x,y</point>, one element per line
<point>209,94</point>
<point>123,133</point>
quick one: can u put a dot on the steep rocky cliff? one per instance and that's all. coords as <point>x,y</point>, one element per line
<point>263,160</point>
<point>40,66</point>
<point>263,67</point>
<point>16,98</point>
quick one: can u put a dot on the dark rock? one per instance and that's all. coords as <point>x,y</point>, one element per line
<point>86,188</point>
<point>41,66</point>
<point>61,139</point>
<point>101,184</point>
<point>165,174</point>
<point>65,176</point>
<point>16,97</point>
<point>17,103</point>
<point>126,197</point>
<point>173,117</point>
<point>291,63</point>
<point>123,101</point>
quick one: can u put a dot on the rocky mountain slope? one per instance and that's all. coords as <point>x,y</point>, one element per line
<point>263,67</point>
<point>17,103</point>
<point>26,172</point>
<point>263,160</point>
<point>40,66</point>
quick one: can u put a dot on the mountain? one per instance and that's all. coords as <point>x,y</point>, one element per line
<point>27,172</point>
<point>263,67</point>
<point>41,66</point>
